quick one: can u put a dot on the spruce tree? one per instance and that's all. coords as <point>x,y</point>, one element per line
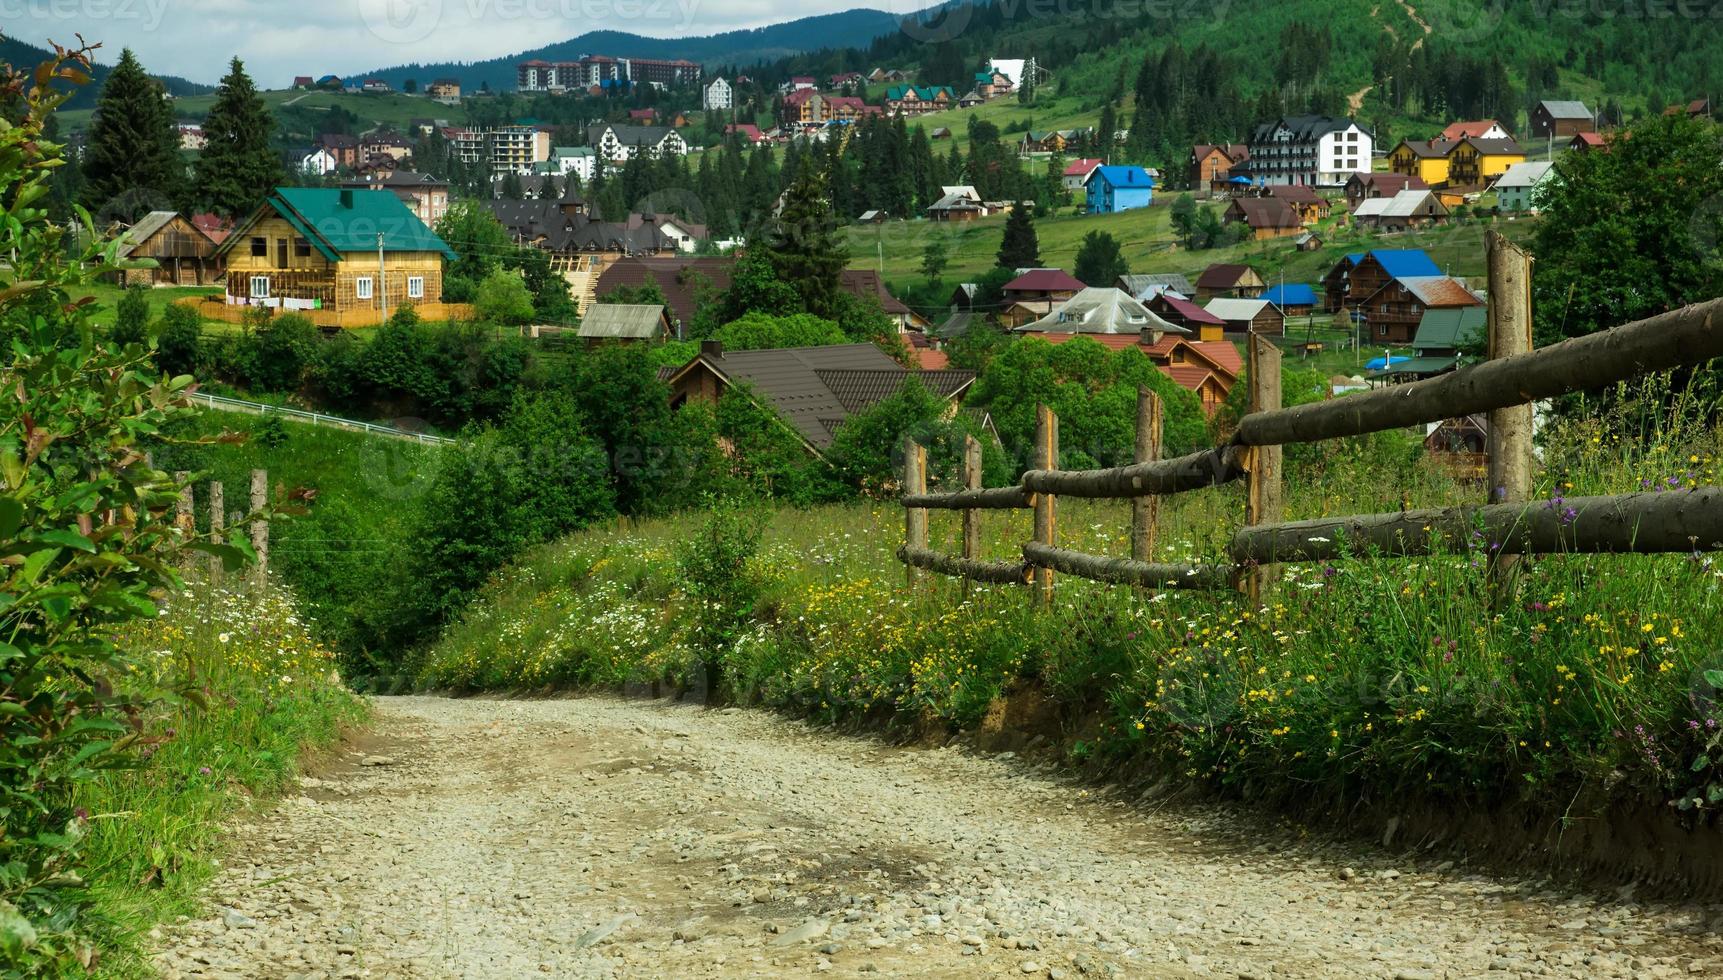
<point>132,163</point>
<point>239,167</point>
<point>1020,248</point>
<point>804,248</point>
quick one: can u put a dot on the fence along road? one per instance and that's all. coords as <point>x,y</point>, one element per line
<point>1505,386</point>
<point>223,403</point>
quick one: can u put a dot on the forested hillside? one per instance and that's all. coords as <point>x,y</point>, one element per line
<point>20,55</point>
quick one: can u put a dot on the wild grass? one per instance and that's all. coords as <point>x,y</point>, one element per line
<point>1360,678</point>
<point>241,695</point>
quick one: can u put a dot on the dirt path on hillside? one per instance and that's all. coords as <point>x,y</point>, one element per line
<point>596,837</point>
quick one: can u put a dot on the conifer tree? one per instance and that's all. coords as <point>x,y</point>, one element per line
<point>132,163</point>
<point>1020,248</point>
<point>804,248</point>
<point>239,166</point>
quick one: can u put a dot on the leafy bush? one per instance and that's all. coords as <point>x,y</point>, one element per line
<point>722,587</point>
<point>502,298</point>
<point>179,346</point>
<point>761,331</point>
<point>275,351</point>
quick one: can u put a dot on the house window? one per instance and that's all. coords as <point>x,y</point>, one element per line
<point>259,287</point>
<point>362,287</point>
<point>260,248</point>
<point>415,287</point>
<point>302,248</point>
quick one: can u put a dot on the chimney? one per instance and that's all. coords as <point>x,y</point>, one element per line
<point>711,348</point>
<point>347,197</point>
<point>1150,336</point>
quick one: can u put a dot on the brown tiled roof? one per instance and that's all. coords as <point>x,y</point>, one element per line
<point>1043,280</point>
<point>677,276</point>
<point>1221,275</point>
<point>866,282</point>
<point>1267,212</point>
<point>1463,129</point>
<point>1296,193</point>
<point>858,390</point>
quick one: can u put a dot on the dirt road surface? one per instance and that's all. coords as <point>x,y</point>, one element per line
<point>599,837</point>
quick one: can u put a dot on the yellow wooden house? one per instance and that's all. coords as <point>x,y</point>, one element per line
<point>1470,162</point>
<point>1425,159</point>
<point>343,257</point>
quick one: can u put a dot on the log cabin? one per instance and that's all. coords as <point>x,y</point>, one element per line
<point>185,255</point>
<point>345,252</point>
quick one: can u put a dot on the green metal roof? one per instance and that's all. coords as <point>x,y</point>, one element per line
<point>1422,366</point>
<point>340,221</point>
<point>1449,328</point>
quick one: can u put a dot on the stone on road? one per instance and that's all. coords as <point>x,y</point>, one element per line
<point>600,837</point>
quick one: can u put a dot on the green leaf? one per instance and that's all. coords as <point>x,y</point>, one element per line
<point>11,516</point>
<point>68,539</point>
<point>1714,678</point>
<point>36,564</point>
<point>1701,762</point>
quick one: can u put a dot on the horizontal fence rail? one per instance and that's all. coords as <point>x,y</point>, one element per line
<point>224,403</point>
<point>1505,387</point>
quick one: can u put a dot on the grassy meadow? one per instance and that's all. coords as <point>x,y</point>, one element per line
<point>1361,679</point>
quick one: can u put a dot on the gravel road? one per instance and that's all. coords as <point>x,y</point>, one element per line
<point>598,837</point>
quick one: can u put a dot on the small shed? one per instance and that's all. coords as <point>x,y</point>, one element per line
<point>626,322</point>
<point>1243,316</point>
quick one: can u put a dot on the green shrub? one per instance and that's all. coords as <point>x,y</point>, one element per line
<point>132,316</point>
<point>179,348</point>
<point>275,351</point>
<point>722,588</point>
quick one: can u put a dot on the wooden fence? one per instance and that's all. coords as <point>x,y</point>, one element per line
<point>257,529</point>
<point>1505,386</point>
<point>215,308</point>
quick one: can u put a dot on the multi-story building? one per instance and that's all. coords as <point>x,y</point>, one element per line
<point>616,144</point>
<point>424,195</point>
<point>445,90</point>
<point>504,149</point>
<point>1316,151</point>
<point>717,95</point>
<point>560,76</point>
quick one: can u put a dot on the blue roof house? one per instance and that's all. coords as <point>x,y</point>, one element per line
<point>1295,295</point>
<point>1119,188</point>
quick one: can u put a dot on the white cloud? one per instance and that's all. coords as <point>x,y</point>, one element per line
<point>278,40</point>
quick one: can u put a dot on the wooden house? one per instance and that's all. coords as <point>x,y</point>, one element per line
<point>1203,325</point>
<point>625,323</point>
<point>353,255</point>
<point>1475,161</point>
<point>1556,119</point>
<point>1460,447</point>
<point>1230,280</point>
<point>1293,299</point>
<point>1587,142</point>
<point>1480,129</point>
<point>1426,160</point>
<point>1266,217</point>
<point>1360,274</point>
<point>1210,165</point>
<point>1311,206</point>
<point>1247,316</point>
<point>1364,187</point>
<point>1392,313</point>
<point>185,254</point>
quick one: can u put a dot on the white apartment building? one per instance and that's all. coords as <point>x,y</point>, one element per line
<point>717,95</point>
<point>1312,151</point>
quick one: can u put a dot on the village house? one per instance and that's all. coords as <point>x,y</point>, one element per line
<point>1487,129</point>
<point>1292,299</point>
<point>1247,316</point>
<point>1112,189</point>
<point>352,256</point>
<point>1211,165</point>
<point>1520,190</point>
<point>1100,310</point>
<point>1587,142</point>
<point>1362,187</point>
<point>1229,279</point>
<point>1402,212</point>
<point>1392,313</point>
<point>1034,294</point>
<point>809,109</point>
<point>1077,172</point>
<point>1695,109</point>
<point>376,86</point>
<point>1439,344</point>
<point>1559,120</point>
<point>813,389</point>
<point>748,131</point>
<point>1358,275</point>
<point>1317,151</point>
<point>319,163</point>
<point>1202,324</point>
<point>1266,217</point>
<point>424,195</point>
<point>344,148</point>
<point>1311,206</point>
<point>1144,285</point>
<point>1475,161</point>
<point>192,137</point>
<point>687,282</point>
<point>628,323</point>
<point>445,90</point>
<point>957,203</point>
<point>183,251</point>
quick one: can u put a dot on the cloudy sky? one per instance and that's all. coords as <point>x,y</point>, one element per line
<point>279,39</point>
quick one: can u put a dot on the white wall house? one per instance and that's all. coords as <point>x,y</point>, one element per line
<point>717,95</point>
<point>1312,151</point>
<point>617,143</point>
<point>1524,186</point>
<point>581,161</point>
<point>321,164</point>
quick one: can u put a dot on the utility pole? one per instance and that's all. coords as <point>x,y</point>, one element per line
<point>382,280</point>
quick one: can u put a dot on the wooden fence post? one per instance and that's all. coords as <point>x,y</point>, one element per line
<point>217,524</point>
<point>1145,511</point>
<point>183,518</point>
<point>1264,502</point>
<point>914,518</point>
<point>971,516</point>
<point>1510,333</point>
<point>260,528</point>
<point>1046,458</point>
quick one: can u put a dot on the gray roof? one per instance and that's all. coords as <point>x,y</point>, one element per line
<point>533,221</point>
<point>1139,285</point>
<point>628,135</point>
<point>1524,175</point>
<point>143,228</point>
<point>1559,109</point>
<point>623,321</point>
<point>1236,310</point>
<point>1101,309</point>
<point>956,325</point>
<point>1449,327</point>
